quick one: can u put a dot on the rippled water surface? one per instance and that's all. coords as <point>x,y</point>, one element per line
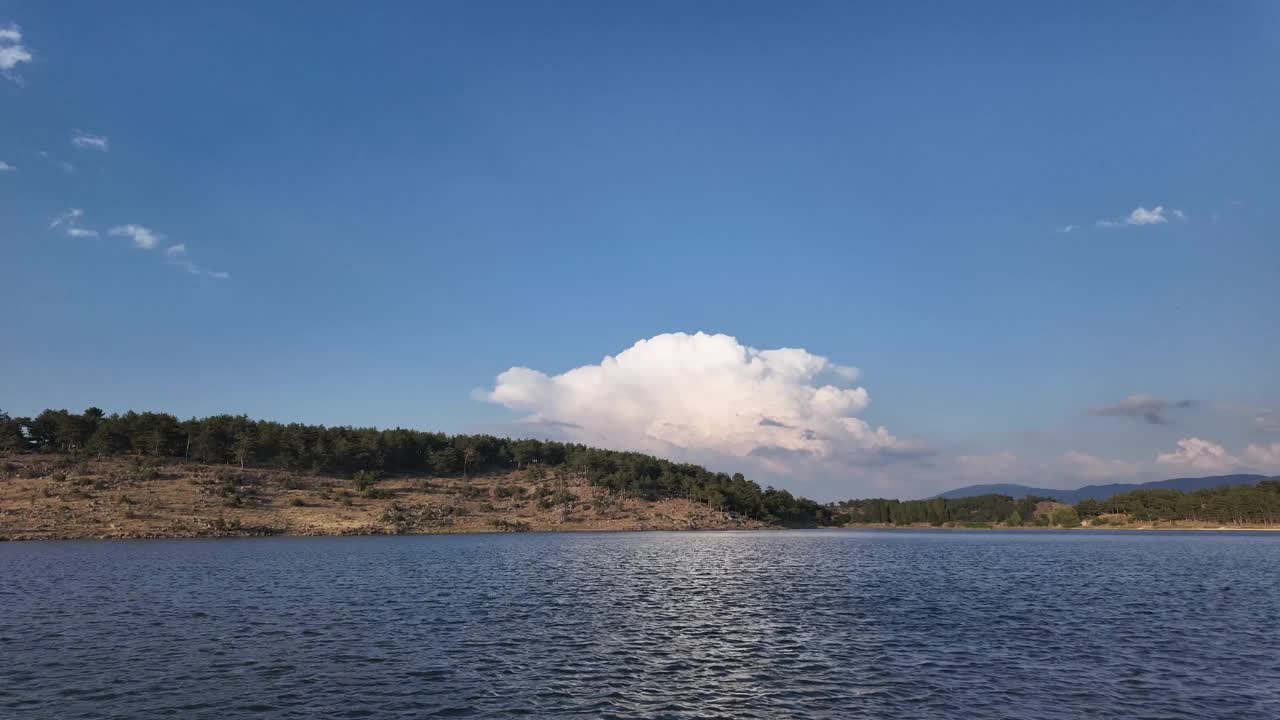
<point>823,624</point>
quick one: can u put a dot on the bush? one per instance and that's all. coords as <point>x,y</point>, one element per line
<point>1065,517</point>
<point>378,493</point>
<point>364,480</point>
<point>223,525</point>
<point>297,502</point>
<point>559,497</point>
<point>394,515</point>
<point>58,476</point>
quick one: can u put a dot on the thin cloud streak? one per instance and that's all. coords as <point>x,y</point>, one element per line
<point>144,238</point>
<point>91,142</point>
<point>67,217</point>
<point>1142,216</point>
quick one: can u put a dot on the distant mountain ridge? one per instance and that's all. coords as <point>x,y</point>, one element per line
<point>1102,492</point>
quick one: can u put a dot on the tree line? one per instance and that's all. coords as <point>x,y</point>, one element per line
<point>345,450</point>
<point>1228,504</point>
<point>990,508</point>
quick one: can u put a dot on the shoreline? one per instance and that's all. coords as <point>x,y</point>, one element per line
<point>610,530</point>
<point>61,497</point>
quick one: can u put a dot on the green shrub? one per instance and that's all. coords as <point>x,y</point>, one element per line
<point>1065,517</point>
<point>364,480</point>
<point>559,497</point>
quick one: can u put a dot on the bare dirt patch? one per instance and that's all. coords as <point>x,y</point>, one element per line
<point>64,497</point>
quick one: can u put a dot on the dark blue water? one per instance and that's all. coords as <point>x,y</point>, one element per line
<point>824,624</point>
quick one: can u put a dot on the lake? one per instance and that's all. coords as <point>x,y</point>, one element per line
<point>815,624</point>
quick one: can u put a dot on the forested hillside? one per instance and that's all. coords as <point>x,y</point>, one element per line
<point>1229,505</point>
<point>992,508</point>
<point>350,452</point>
<point>346,450</point>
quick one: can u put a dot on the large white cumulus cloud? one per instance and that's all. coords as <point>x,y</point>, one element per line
<point>706,396</point>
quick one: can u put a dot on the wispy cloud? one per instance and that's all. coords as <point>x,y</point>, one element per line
<point>143,238</point>
<point>178,260</point>
<point>1264,457</point>
<point>60,164</point>
<point>176,255</point>
<point>1142,216</point>
<point>6,167</point>
<point>69,221</point>
<point>1068,229</point>
<point>67,217</point>
<point>1263,420</point>
<point>1152,409</point>
<point>12,52</point>
<point>88,141</point>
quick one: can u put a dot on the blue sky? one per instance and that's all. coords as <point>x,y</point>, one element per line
<point>408,201</point>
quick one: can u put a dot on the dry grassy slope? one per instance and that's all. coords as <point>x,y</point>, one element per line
<point>50,497</point>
